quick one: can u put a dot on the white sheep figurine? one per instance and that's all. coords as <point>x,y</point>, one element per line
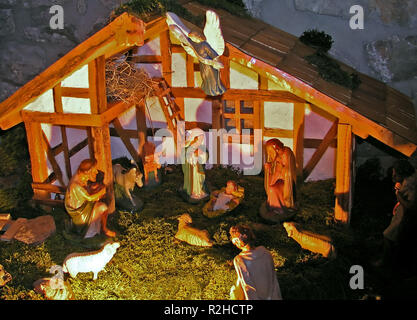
<point>192,235</point>
<point>94,261</point>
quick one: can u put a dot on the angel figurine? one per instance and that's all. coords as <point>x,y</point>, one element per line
<point>206,48</point>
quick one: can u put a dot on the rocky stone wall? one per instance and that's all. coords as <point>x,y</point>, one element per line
<point>27,43</point>
<point>386,48</point>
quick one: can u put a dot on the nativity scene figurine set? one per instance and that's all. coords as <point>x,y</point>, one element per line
<point>84,198</point>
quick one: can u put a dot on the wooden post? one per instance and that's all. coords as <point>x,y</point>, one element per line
<point>166,56</point>
<point>262,85</point>
<point>190,71</point>
<point>57,91</point>
<point>37,157</point>
<point>102,153</point>
<point>343,189</point>
<point>216,124</point>
<point>298,138</point>
<point>141,127</point>
<point>97,83</point>
<point>225,71</point>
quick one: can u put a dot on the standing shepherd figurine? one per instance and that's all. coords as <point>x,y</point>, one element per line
<point>87,212</point>
<point>206,48</point>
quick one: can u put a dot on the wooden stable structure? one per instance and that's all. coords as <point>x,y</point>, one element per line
<point>264,69</point>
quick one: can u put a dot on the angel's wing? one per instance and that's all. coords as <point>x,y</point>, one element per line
<point>173,19</point>
<point>213,33</point>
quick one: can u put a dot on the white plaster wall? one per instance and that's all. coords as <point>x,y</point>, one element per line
<point>151,47</point>
<point>325,168</point>
<point>78,79</point>
<point>154,115</point>
<point>179,70</point>
<point>76,105</point>
<point>154,70</point>
<point>199,110</point>
<point>128,119</point>
<point>44,103</point>
<point>278,115</point>
<point>316,126</point>
<point>242,77</point>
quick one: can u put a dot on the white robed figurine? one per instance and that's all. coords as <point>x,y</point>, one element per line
<point>195,157</point>
<point>206,48</point>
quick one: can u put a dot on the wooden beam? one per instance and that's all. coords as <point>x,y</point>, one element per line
<point>65,149</point>
<point>155,27</point>
<point>177,48</point>
<point>97,83</point>
<point>83,93</point>
<point>190,71</point>
<point>241,94</point>
<point>37,156</point>
<point>279,133</point>
<point>315,158</point>
<point>310,143</point>
<point>90,142</point>
<point>165,45</point>
<point>49,187</point>
<point>125,31</point>
<point>57,92</point>
<point>225,71</point>
<point>114,110</point>
<point>102,153</point>
<point>49,202</point>
<point>52,160</point>
<point>298,137</point>
<point>78,147</point>
<point>343,190</point>
<point>141,128</point>
<point>71,119</point>
<point>126,140</point>
<point>153,59</point>
<point>57,149</point>
<point>361,125</point>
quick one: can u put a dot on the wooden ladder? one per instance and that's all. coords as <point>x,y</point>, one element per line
<point>170,109</point>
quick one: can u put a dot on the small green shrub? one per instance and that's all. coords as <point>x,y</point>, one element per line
<point>317,39</point>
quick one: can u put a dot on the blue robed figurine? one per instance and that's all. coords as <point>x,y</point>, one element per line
<point>206,48</point>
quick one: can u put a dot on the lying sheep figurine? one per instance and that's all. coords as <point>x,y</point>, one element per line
<point>90,261</point>
<point>308,240</point>
<point>192,235</point>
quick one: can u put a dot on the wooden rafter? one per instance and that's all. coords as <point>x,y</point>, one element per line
<point>52,160</point>
<point>315,158</point>
<point>166,56</point>
<point>74,119</point>
<point>126,140</point>
<point>241,94</point>
<point>124,32</point>
<point>361,125</point>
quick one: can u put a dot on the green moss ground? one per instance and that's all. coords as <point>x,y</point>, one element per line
<point>151,264</point>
